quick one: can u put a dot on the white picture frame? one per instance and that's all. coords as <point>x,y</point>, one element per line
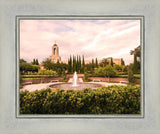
<point>10,123</point>
<point>82,17</point>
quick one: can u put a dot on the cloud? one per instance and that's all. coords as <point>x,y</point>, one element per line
<point>91,38</point>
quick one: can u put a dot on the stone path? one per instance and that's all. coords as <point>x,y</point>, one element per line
<point>109,84</point>
<point>34,87</point>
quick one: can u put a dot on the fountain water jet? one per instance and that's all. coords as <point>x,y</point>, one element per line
<point>75,78</point>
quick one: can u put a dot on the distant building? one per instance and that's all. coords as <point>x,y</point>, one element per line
<point>41,66</point>
<point>116,61</point>
<point>55,54</point>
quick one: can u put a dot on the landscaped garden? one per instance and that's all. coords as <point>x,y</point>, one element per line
<point>103,100</point>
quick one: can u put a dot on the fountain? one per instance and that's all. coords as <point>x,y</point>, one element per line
<point>74,84</point>
<point>75,78</point>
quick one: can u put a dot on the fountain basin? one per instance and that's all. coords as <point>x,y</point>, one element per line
<point>80,86</point>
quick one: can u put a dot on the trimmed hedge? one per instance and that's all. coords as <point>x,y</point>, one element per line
<point>136,76</point>
<point>105,100</point>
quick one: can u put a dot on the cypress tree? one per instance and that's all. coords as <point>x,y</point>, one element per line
<point>122,61</point>
<point>37,63</point>
<point>79,64</point>
<point>83,65</point>
<point>130,74</point>
<point>135,65</point>
<point>92,63</point>
<point>111,62</point>
<point>69,67</point>
<point>34,62</point>
<point>74,63</point>
<point>96,63</point>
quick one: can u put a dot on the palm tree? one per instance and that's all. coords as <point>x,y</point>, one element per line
<point>136,51</point>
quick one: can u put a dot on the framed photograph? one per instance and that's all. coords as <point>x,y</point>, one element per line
<point>96,69</point>
<point>79,67</point>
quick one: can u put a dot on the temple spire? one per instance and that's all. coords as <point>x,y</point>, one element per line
<point>55,41</point>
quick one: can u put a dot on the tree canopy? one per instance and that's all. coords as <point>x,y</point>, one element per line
<point>106,71</point>
<point>136,51</point>
<point>60,68</point>
<point>104,62</point>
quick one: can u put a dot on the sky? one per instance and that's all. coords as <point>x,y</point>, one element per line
<point>91,38</point>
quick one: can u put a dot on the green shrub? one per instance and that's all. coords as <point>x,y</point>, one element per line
<point>28,67</point>
<point>21,82</point>
<point>86,76</point>
<point>63,80</point>
<point>46,72</point>
<point>105,100</point>
<point>137,76</point>
<point>130,76</point>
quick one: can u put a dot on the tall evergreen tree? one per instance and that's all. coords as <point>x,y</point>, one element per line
<point>83,65</point>
<point>135,64</point>
<point>36,62</point>
<point>122,61</point>
<point>92,64</point>
<point>96,63</point>
<point>71,66</point>
<point>111,62</point>
<point>74,63</point>
<point>130,74</point>
<point>79,64</point>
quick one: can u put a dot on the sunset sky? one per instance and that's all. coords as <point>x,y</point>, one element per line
<point>91,38</point>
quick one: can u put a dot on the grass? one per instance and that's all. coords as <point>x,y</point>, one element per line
<point>111,81</point>
<point>137,76</point>
<point>63,81</point>
<point>88,80</point>
<point>39,76</point>
<point>29,78</point>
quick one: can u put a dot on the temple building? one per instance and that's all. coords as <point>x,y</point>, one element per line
<point>55,54</point>
<point>116,61</point>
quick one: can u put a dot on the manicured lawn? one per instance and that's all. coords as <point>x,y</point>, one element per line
<point>138,76</point>
<point>29,78</point>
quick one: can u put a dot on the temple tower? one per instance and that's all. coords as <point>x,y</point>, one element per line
<point>55,54</point>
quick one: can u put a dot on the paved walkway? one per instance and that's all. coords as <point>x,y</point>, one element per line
<point>109,84</point>
<point>34,87</point>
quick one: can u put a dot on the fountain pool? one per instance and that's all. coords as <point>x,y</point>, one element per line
<point>75,85</point>
<point>80,86</point>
